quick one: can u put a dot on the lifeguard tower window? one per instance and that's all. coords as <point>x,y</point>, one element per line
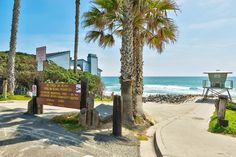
<point>217,83</point>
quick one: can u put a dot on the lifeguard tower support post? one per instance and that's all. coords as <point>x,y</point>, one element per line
<point>217,83</point>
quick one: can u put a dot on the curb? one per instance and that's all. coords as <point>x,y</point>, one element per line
<point>157,149</point>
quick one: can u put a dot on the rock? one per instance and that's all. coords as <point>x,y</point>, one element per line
<point>174,99</point>
<point>105,112</point>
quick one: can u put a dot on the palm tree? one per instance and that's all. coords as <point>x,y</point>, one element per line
<point>151,26</point>
<point>77,12</point>
<point>126,51</point>
<point>12,52</point>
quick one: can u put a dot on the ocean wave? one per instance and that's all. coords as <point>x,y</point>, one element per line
<point>151,89</point>
<point>169,87</point>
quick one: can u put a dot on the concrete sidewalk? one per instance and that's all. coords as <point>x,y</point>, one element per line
<point>182,131</point>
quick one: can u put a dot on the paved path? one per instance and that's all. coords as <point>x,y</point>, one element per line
<point>23,135</point>
<point>182,131</point>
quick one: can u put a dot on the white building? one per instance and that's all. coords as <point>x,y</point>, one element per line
<point>91,65</point>
<point>62,59</point>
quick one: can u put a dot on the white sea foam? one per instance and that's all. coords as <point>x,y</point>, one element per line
<point>165,87</point>
<point>158,89</point>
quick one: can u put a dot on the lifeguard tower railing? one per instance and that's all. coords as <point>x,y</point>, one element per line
<point>217,87</point>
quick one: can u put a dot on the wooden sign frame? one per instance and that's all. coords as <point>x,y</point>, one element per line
<point>58,94</point>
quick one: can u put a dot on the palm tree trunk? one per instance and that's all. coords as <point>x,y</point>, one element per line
<point>139,80</point>
<point>135,47</point>
<point>77,4</point>
<point>127,62</point>
<point>138,74</point>
<point>12,52</point>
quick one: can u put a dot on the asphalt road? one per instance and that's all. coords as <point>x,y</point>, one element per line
<point>23,135</point>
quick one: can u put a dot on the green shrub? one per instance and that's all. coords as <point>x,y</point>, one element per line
<point>214,126</point>
<point>69,121</point>
<point>104,99</point>
<point>231,106</point>
<point>26,71</point>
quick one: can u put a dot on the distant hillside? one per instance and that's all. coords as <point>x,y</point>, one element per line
<point>26,71</point>
<point>25,68</point>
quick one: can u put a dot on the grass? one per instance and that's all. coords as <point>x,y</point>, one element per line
<point>141,135</point>
<point>69,121</point>
<point>16,97</point>
<point>105,99</point>
<point>214,126</point>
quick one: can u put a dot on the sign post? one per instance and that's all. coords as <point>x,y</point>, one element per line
<point>117,116</point>
<point>84,93</point>
<point>34,94</point>
<point>40,57</point>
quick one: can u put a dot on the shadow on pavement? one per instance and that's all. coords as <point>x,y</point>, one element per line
<point>21,127</point>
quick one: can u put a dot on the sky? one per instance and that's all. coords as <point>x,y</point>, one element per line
<point>206,38</point>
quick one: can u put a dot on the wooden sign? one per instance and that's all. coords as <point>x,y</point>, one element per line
<point>62,95</point>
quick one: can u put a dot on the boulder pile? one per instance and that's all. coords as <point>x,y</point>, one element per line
<point>173,99</point>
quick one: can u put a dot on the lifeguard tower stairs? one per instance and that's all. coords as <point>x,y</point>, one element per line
<point>217,83</point>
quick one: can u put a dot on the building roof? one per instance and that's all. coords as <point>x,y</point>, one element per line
<point>82,60</point>
<point>57,53</point>
<point>92,55</point>
<point>100,69</point>
<point>218,72</point>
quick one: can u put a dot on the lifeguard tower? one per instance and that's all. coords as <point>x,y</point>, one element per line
<point>217,83</point>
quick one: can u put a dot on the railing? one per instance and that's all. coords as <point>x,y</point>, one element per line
<point>228,84</point>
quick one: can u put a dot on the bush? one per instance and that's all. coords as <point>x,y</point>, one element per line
<point>26,72</point>
<point>214,126</point>
<point>69,121</point>
<point>231,106</point>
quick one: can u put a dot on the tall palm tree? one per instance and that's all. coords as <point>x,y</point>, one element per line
<point>12,52</point>
<point>126,78</point>
<point>77,14</point>
<point>151,26</point>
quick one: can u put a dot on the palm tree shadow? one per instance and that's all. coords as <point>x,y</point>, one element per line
<point>121,140</point>
<point>21,127</point>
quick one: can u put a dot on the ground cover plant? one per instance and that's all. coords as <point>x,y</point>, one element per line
<point>214,126</point>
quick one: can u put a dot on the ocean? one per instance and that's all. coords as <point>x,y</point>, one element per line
<point>164,85</point>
